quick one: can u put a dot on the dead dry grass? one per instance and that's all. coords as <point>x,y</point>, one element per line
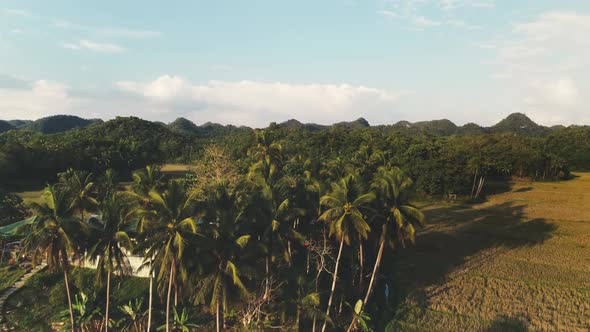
<point>520,261</point>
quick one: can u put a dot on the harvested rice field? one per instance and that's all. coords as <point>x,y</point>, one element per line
<point>518,262</point>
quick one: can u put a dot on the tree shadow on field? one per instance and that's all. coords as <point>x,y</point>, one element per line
<point>456,235</point>
<point>507,324</point>
<point>523,190</point>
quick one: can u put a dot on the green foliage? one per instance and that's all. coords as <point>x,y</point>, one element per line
<point>9,274</point>
<point>254,236</point>
<point>58,123</point>
<point>12,208</point>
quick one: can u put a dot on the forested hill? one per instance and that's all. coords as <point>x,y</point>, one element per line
<point>439,155</point>
<point>49,125</point>
<point>516,123</point>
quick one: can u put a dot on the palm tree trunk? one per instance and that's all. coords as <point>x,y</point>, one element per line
<point>333,284</point>
<point>370,289</point>
<point>149,322</point>
<point>474,181</point>
<point>172,265</point>
<point>267,277</point>
<point>69,299</point>
<point>217,316</point>
<point>106,311</point>
<point>361,263</point>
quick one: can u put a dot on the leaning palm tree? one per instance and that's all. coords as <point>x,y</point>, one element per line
<point>397,216</point>
<point>343,211</point>
<point>113,238</point>
<point>169,228</point>
<point>51,237</point>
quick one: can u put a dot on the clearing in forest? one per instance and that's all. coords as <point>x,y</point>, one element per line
<point>520,261</point>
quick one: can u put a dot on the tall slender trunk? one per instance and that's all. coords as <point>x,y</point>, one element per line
<point>217,316</point>
<point>474,181</point>
<point>361,263</point>
<point>335,276</point>
<point>69,299</point>
<point>149,322</point>
<point>482,180</point>
<point>106,310</point>
<point>172,266</point>
<point>267,279</point>
<point>370,289</point>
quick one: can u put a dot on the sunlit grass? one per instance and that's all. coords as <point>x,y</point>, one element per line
<point>518,261</point>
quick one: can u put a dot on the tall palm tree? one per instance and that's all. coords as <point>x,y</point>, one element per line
<point>271,202</point>
<point>398,218</point>
<point>51,237</point>
<point>113,238</point>
<point>343,211</point>
<point>225,251</point>
<point>170,227</point>
<point>80,186</point>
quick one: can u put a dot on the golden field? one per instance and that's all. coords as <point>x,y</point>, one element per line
<point>518,262</point>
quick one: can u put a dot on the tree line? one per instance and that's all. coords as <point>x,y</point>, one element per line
<point>439,164</point>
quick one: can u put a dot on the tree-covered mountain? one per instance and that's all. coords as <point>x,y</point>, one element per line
<point>516,123</point>
<point>183,126</point>
<point>519,123</point>
<point>20,123</point>
<point>48,125</point>
<point>471,129</point>
<point>442,127</point>
<point>59,123</point>
<point>6,126</point>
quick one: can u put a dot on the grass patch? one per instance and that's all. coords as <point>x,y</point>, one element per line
<point>9,274</point>
<point>515,262</point>
<point>40,304</point>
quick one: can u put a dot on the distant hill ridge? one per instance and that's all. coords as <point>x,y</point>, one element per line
<point>48,125</point>
<point>517,123</point>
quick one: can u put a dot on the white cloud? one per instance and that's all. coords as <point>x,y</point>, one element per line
<point>15,12</point>
<point>107,31</point>
<point>249,103</point>
<point>94,46</point>
<point>114,31</point>
<point>257,103</point>
<point>51,89</point>
<point>545,65</point>
<point>424,22</point>
<point>389,13</point>
<point>412,11</point>
<point>454,4</point>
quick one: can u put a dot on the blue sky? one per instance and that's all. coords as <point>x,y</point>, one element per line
<point>253,62</point>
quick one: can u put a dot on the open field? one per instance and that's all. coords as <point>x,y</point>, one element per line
<point>520,261</point>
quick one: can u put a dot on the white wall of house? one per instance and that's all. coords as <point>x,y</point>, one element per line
<point>135,262</point>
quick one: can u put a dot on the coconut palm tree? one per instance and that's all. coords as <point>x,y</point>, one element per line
<point>80,186</point>
<point>397,217</point>
<point>343,205</point>
<point>51,237</point>
<point>170,227</point>
<point>148,179</point>
<point>224,251</point>
<point>112,239</point>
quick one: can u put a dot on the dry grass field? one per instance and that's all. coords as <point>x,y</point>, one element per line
<point>518,262</point>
